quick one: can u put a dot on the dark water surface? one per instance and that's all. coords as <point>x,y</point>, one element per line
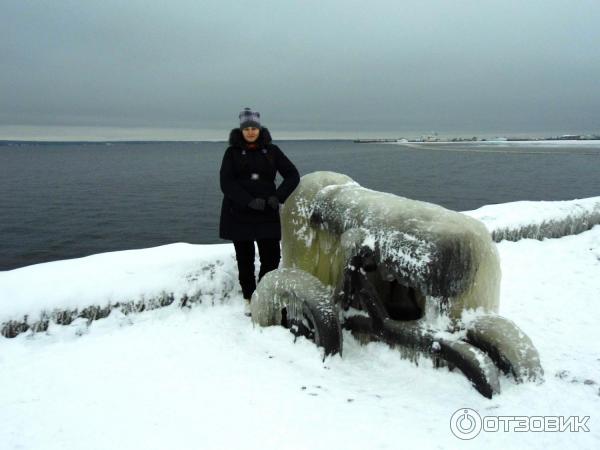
<point>61,201</point>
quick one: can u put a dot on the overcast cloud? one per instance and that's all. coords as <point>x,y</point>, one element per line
<point>326,65</point>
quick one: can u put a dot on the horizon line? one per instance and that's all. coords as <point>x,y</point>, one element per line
<point>91,134</point>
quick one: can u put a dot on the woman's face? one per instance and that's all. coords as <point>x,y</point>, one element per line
<point>250,134</point>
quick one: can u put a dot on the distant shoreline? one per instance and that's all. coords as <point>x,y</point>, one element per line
<point>459,140</point>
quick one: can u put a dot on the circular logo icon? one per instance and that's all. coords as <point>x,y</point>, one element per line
<point>465,423</point>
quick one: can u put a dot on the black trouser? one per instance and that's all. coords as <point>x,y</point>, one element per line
<point>269,254</point>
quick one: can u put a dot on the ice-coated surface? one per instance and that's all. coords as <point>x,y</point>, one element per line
<point>507,340</point>
<point>289,288</point>
<point>538,220</point>
<point>439,252</point>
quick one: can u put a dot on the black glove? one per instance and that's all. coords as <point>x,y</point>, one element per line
<point>273,202</point>
<point>258,204</point>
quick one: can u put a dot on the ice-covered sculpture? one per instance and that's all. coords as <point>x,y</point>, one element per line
<point>396,270</point>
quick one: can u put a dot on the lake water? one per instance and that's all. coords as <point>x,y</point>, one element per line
<point>62,200</point>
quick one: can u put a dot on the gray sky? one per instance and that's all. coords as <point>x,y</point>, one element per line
<point>346,66</point>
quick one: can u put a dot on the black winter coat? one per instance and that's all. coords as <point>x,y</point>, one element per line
<point>248,174</point>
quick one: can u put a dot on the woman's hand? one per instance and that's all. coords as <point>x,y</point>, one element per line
<point>257,204</point>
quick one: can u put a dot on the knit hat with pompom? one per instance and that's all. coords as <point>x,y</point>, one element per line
<point>249,118</point>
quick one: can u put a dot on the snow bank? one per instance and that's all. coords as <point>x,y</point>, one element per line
<point>132,280</point>
<point>538,220</point>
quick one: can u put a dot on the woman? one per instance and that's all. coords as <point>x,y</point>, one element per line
<point>250,208</point>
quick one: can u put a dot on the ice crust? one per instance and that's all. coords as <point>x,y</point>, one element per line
<point>289,288</point>
<point>439,252</point>
<point>501,336</point>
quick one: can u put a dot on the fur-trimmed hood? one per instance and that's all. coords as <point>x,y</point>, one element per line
<point>236,138</point>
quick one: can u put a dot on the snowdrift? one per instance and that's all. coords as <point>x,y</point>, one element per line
<point>90,288</point>
<point>538,220</point>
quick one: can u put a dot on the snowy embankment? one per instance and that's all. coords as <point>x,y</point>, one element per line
<point>204,377</point>
<point>131,281</point>
<point>538,220</point>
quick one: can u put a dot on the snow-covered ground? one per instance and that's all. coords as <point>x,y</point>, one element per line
<point>205,377</point>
